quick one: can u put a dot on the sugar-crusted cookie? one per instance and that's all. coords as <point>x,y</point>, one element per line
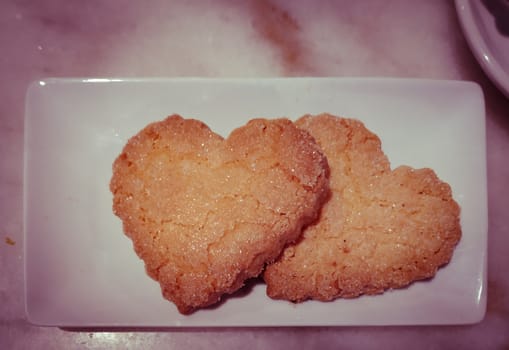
<point>206,213</point>
<point>381,228</point>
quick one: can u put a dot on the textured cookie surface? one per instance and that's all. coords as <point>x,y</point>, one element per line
<point>381,228</point>
<point>206,213</point>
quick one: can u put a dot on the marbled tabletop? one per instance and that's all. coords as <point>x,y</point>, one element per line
<point>226,38</point>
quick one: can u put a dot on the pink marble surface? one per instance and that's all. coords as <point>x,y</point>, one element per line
<point>238,39</point>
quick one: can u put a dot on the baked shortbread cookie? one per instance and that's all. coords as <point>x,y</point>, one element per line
<point>381,228</point>
<point>206,213</point>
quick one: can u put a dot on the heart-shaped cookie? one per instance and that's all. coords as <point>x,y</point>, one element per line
<point>206,213</point>
<point>381,228</point>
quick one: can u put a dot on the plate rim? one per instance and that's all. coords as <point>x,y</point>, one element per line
<point>480,48</point>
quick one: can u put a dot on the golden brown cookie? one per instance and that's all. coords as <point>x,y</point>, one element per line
<point>381,228</point>
<point>206,213</point>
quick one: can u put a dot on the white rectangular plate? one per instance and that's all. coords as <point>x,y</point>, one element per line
<point>81,270</point>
